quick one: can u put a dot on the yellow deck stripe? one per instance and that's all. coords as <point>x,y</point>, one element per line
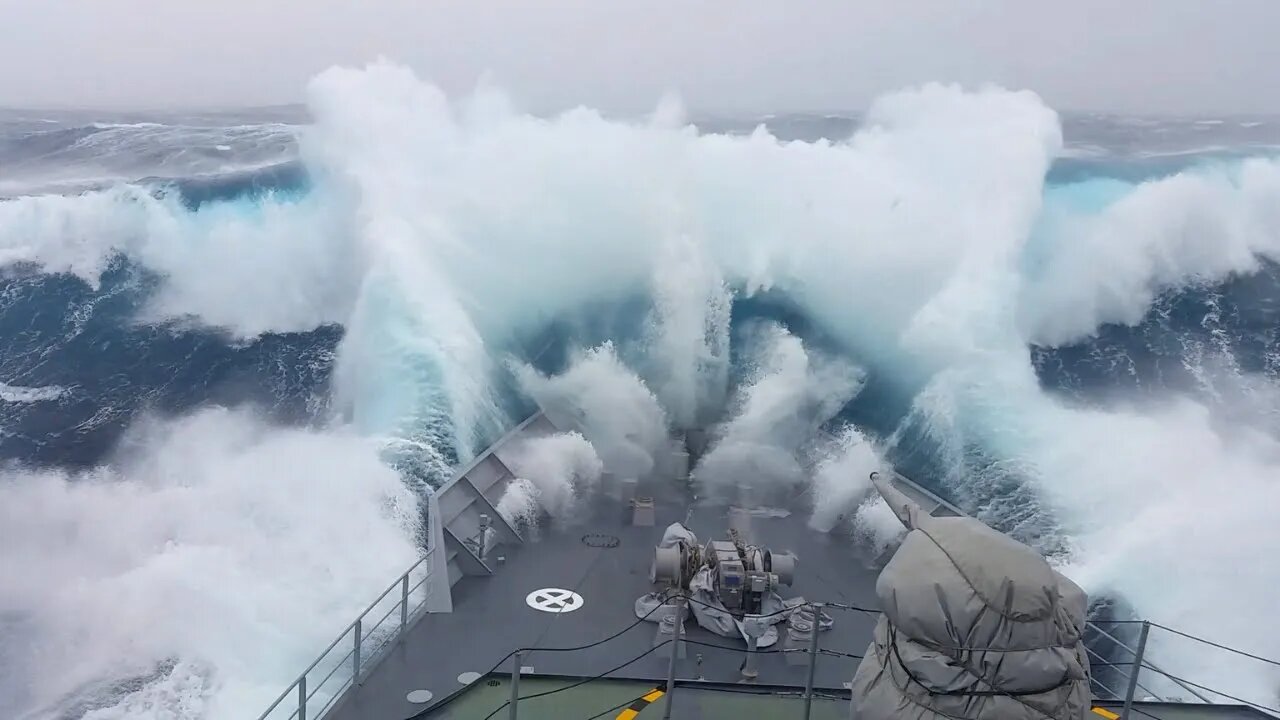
<point>1105,713</point>
<point>639,705</point>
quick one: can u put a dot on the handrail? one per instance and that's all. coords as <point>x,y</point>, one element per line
<point>671,684</point>
<point>420,584</point>
<point>1123,674</point>
<point>403,580</point>
<point>436,566</point>
<point>1114,695</point>
<point>359,635</point>
<point>355,631</point>
<point>808,692</point>
<point>1117,641</point>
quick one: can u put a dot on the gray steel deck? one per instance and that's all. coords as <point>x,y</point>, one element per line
<point>474,611</point>
<point>490,617</point>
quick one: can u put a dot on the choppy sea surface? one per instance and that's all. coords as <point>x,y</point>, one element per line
<point>237,347</point>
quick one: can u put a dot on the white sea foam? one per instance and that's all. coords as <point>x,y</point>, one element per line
<point>234,548</point>
<point>554,473</point>
<point>876,525</point>
<point>275,265</point>
<point>21,394</point>
<point>609,404</point>
<point>440,232</point>
<point>842,483</point>
<point>788,394</point>
<point>519,506</point>
<point>688,349</point>
<point>1109,266</point>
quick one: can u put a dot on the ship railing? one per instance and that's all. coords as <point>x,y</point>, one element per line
<point>677,602</point>
<point>1123,670</point>
<point>454,512</point>
<point>1147,704</point>
<point>359,646</point>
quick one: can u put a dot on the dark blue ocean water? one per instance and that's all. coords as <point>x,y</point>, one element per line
<point>56,330</point>
<point>79,364</point>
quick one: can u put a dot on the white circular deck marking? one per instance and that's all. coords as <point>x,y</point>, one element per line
<point>418,697</point>
<point>467,678</point>
<point>554,600</point>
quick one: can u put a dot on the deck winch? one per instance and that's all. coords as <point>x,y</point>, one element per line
<point>741,576</point>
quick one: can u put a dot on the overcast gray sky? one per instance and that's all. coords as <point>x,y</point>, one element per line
<point>1156,56</point>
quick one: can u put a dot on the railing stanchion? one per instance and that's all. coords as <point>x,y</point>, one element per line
<point>813,658</point>
<point>517,661</point>
<point>404,602</point>
<point>675,654</point>
<point>302,698</point>
<point>1137,669</point>
<point>355,654</point>
<point>357,641</point>
<point>1151,665</point>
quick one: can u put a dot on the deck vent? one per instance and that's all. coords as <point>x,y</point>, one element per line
<point>600,540</point>
<point>494,683</point>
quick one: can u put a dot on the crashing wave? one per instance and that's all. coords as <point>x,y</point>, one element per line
<point>445,234</point>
